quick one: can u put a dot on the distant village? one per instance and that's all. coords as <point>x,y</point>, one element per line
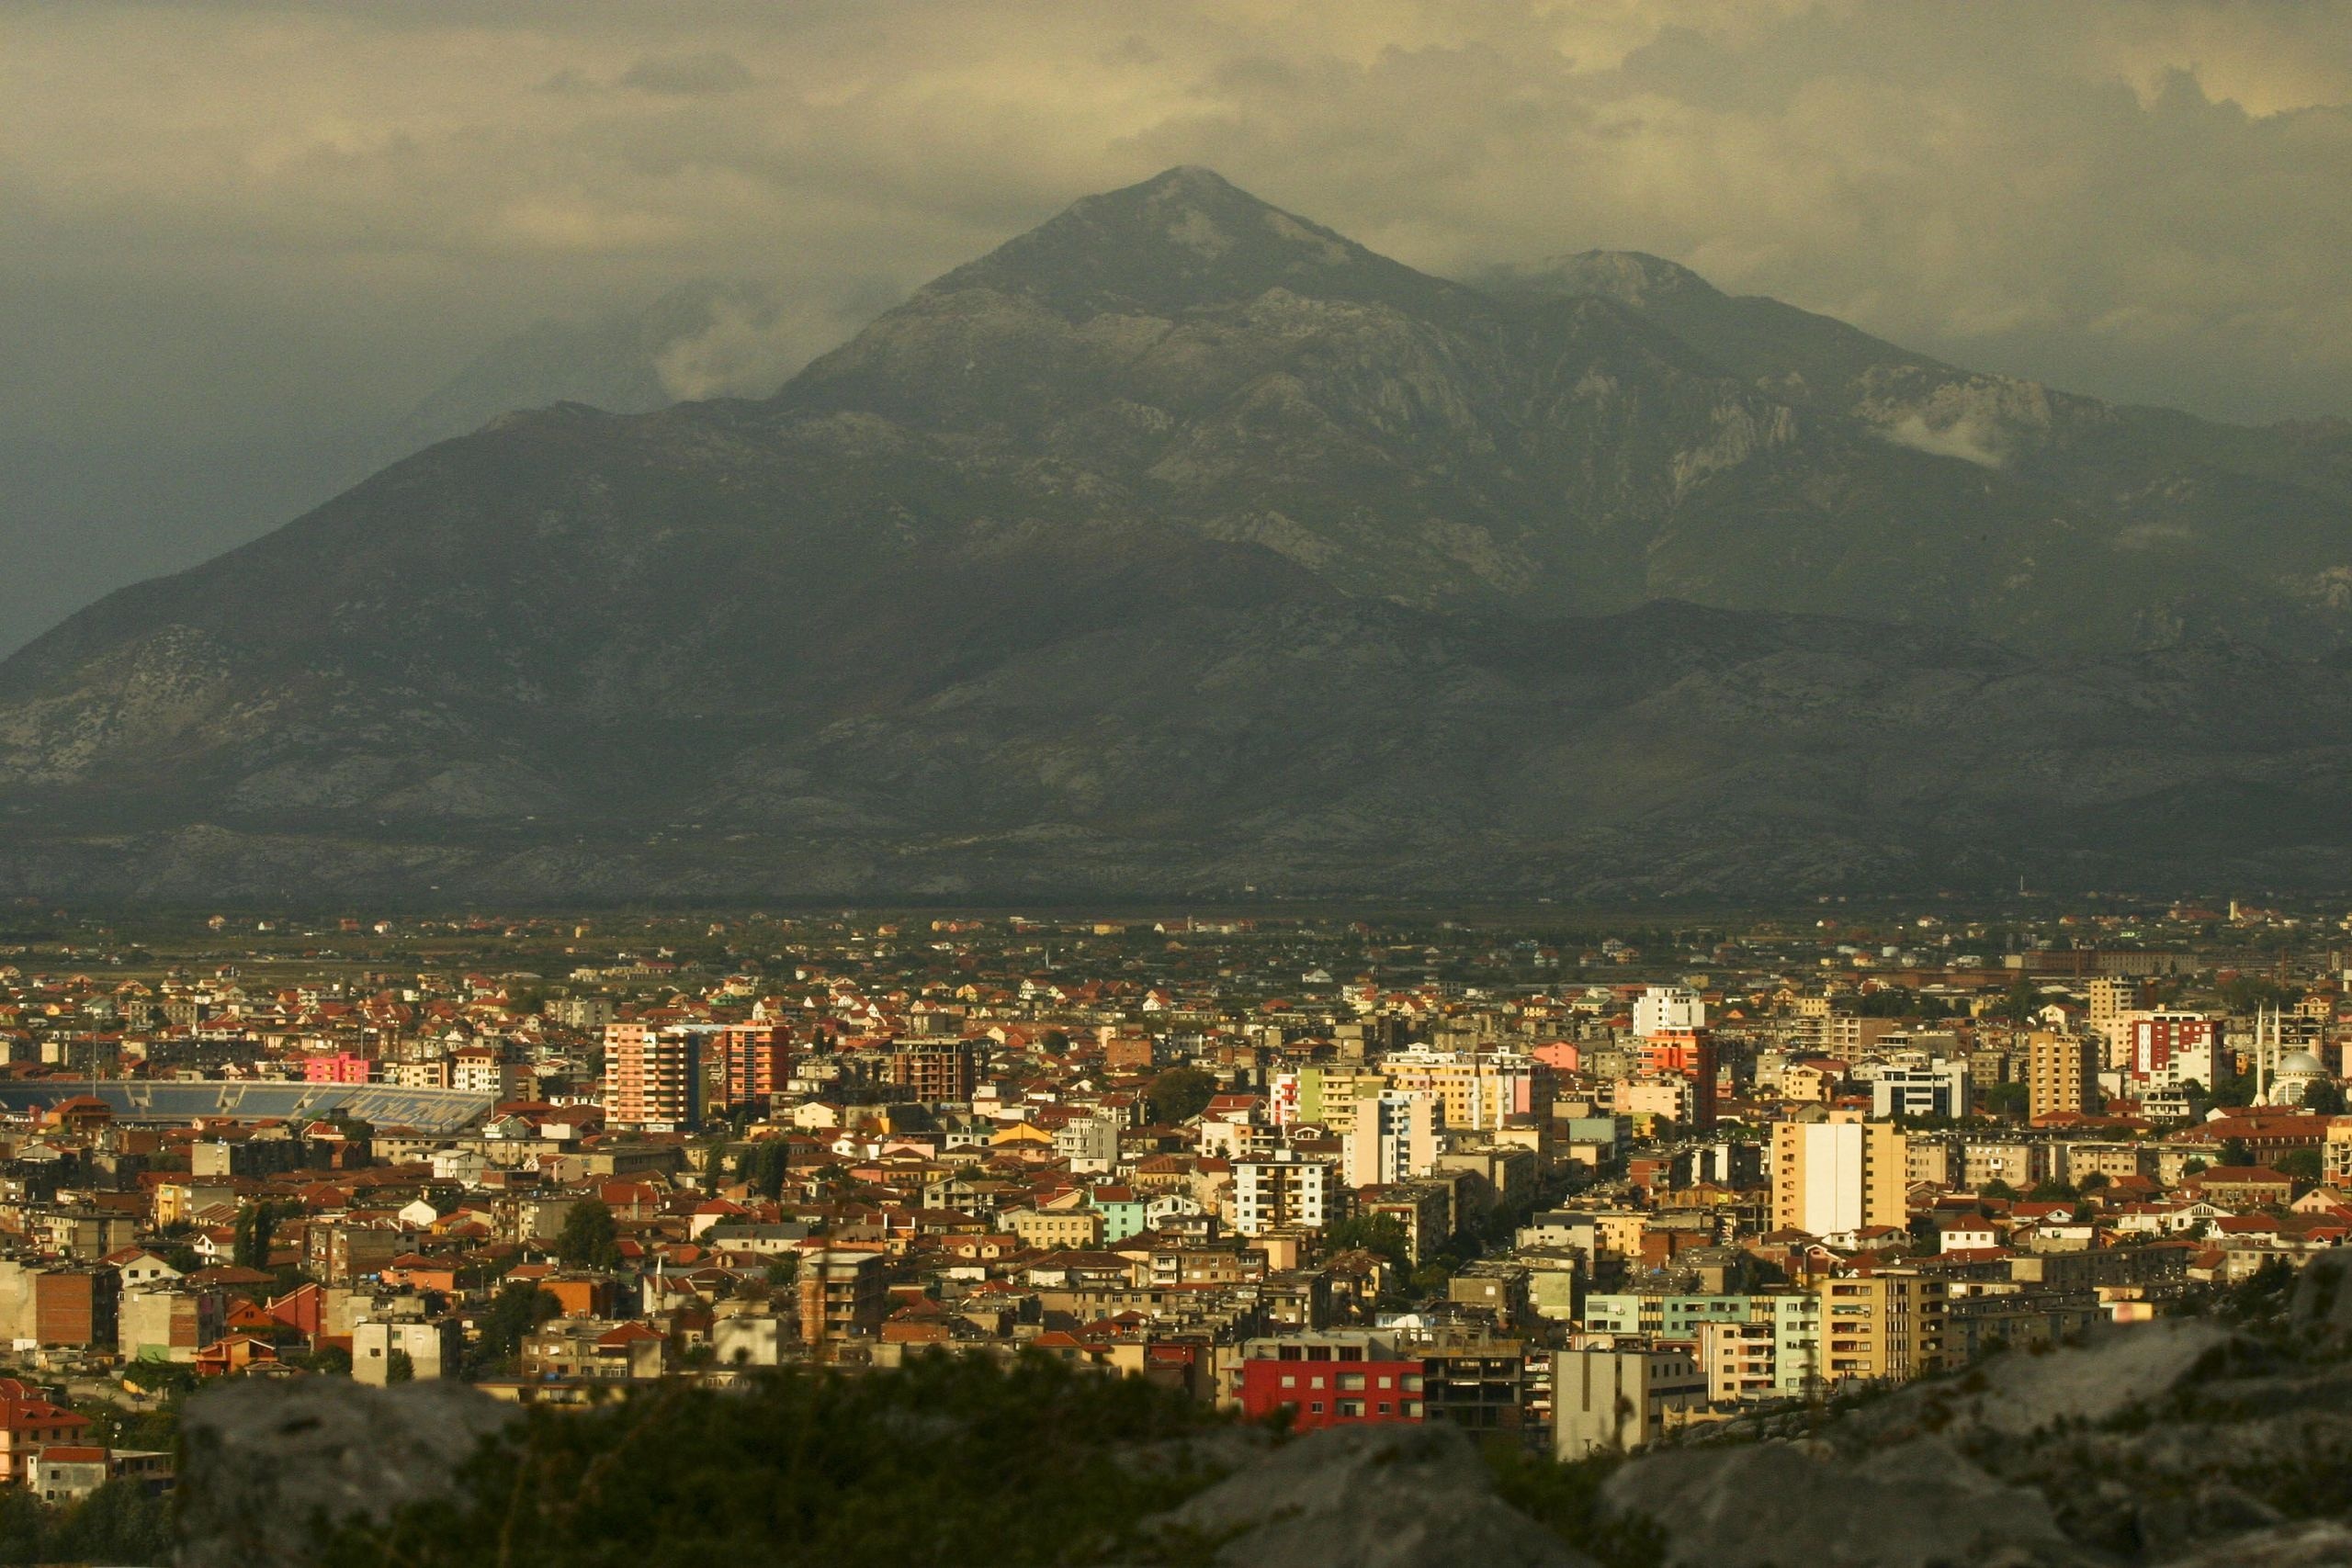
<point>1578,1188</point>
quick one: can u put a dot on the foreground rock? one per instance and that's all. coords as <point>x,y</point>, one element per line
<point>2316,1544</point>
<point>1911,1506</point>
<point>2113,1370</point>
<point>1366,1497</point>
<point>270,1464</point>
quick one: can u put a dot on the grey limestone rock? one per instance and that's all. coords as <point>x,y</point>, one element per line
<point>2323,1296</point>
<point>1367,1497</point>
<point>1915,1506</point>
<point>2314,1543</point>
<point>2023,1392</point>
<point>269,1464</point>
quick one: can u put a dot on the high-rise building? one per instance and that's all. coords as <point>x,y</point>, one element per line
<point>1329,1097</point>
<point>652,1079</point>
<point>843,1295</point>
<point>2062,1074</point>
<point>1689,1055</point>
<point>933,1071</point>
<point>1837,1175</point>
<point>2169,1049</point>
<point>1394,1139</point>
<point>1480,1091</point>
<point>1888,1327</point>
<point>757,1063</point>
<point>1283,1189</point>
<point>2112,998</point>
<point>1669,1010</point>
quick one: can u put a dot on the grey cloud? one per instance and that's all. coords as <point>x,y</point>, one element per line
<point>688,75</point>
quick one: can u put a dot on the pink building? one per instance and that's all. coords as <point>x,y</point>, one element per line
<point>1560,1055</point>
<point>342,1066</point>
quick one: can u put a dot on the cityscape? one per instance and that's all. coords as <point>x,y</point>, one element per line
<point>1577,1189</point>
<point>1179,784</point>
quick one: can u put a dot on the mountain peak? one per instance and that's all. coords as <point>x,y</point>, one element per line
<point>1183,239</point>
<point>1634,278</point>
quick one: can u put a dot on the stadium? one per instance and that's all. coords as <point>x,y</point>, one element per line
<point>184,1100</point>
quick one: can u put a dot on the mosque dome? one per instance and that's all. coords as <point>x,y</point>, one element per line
<point>2297,1070</point>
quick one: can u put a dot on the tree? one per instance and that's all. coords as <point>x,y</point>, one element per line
<point>256,1222</point>
<point>399,1367</point>
<point>120,1522</point>
<point>1888,1001</point>
<point>2231,1087</point>
<point>2302,1164</point>
<point>517,1309</point>
<point>588,1239</point>
<point>2004,1100</point>
<point>1430,1278</point>
<point>1180,1093</point>
<point>2325,1096</point>
<point>2235,1151</point>
<point>771,1161</point>
<point>2020,1002</point>
<point>1381,1234</point>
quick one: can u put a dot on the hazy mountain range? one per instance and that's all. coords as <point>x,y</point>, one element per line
<point>1181,545</point>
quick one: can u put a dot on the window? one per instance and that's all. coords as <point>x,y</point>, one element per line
<point>1412,1410</point>
<point>1387,1382</point>
<point>1352,1407</point>
<point>1351,1380</point>
<point>1388,1408</point>
<point>1315,1406</point>
<point>1412,1383</point>
<point>1289,1380</point>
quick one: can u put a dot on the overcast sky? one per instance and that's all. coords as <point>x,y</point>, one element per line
<point>237,240</point>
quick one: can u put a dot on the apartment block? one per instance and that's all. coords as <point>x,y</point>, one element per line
<point>2062,1075</point>
<point>1887,1326</point>
<point>1839,1175</point>
<point>1283,1189</point>
<point>652,1079</point>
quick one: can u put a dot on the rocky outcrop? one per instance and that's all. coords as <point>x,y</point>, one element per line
<point>1363,1497</point>
<point>1918,1504</point>
<point>269,1465</point>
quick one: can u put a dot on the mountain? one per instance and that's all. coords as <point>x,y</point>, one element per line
<point>695,341</point>
<point>1179,545</point>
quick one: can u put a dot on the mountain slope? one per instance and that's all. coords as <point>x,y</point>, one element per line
<point>695,341</point>
<point>1181,545</point>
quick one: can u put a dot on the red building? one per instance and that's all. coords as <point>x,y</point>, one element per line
<point>1688,1054</point>
<point>1331,1380</point>
<point>29,1422</point>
